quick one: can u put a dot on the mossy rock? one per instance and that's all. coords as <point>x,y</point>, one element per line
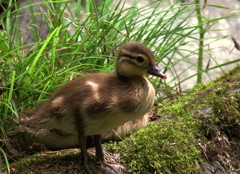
<point>197,133</point>
<point>163,147</point>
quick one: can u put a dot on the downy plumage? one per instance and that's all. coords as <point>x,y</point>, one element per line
<point>94,104</point>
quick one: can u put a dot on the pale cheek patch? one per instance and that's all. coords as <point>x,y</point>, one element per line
<point>57,101</point>
<point>95,88</point>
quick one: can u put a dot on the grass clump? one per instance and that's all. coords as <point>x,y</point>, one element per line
<point>32,70</point>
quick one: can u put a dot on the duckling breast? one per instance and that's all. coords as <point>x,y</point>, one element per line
<point>139,98</point>
<point>147,98</point>
<point>124,101</point>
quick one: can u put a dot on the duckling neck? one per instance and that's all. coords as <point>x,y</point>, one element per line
<point>128,76</point>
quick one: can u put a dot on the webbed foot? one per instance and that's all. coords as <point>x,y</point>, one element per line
<point>113,168</point>
<point>93,168</point>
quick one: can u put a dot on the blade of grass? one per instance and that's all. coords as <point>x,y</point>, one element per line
<point>3,45</point>
<point>8,16</point>
<point>32,67</point>
<point>54,47</point>
<point>201,41</point>
<point>5,159</point>
<point>10,94</point>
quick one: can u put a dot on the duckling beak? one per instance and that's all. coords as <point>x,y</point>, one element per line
<point>155,71</point>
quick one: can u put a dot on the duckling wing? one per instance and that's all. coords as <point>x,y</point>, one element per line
<point>84,95</point>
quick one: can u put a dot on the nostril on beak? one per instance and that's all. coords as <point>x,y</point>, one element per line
<point>155,71</point>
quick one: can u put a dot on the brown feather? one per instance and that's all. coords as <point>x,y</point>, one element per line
<point>78,95</point>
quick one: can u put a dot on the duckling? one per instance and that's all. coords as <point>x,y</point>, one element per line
<point>96,103</point>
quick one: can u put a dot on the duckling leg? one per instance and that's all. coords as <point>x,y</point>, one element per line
<point>106,168</point>
<point>90,168</point>
<point>99,151</point>
<point>83,147</point>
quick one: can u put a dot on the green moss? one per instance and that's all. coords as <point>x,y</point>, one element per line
<point>222,99</point>
<point>166,146</point>
<point>49,163</point>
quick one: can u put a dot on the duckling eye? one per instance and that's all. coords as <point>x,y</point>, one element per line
<point>140,59</point>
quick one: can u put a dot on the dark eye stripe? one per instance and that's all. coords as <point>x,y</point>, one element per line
<point>125,55</point>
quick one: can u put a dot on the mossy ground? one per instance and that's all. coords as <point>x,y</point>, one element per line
<point>196,129</point>
<point>164,147</point>
<point>200,128</point>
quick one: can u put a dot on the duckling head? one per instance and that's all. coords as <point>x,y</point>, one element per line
<point>135,59</point>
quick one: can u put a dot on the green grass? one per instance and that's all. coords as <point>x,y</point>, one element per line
<point>31,70</point>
